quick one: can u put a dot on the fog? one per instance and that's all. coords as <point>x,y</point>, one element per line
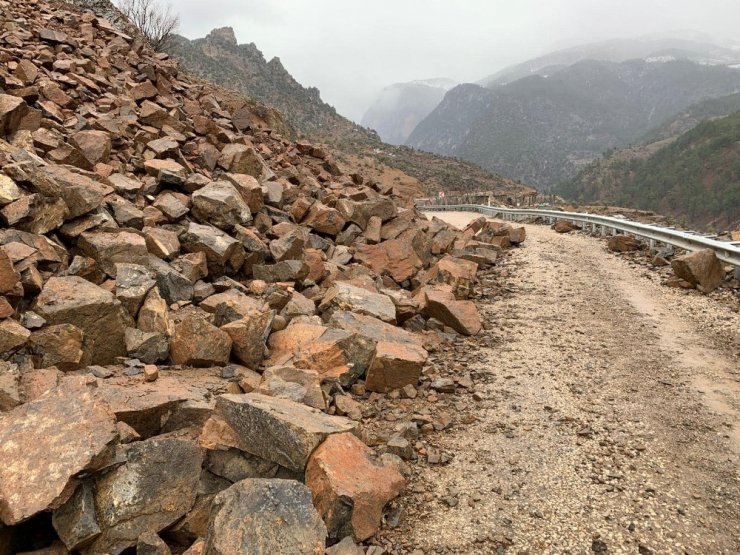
<point>350,49</point>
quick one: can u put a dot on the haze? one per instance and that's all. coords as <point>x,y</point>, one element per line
<point>350,49</point>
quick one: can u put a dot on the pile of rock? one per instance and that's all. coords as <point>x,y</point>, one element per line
<point>190,303</point>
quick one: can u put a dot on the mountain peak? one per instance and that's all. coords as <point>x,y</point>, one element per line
<point>225,34</point>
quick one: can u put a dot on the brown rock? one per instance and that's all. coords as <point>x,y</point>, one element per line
<point>12,111</point>
<point>296,384</point>
<point>562,226</point>
<point>439,302</point>
<point>46,442</point>
<point>220,204</point>
<point>277,429</point>
<point>100,316</point>
<point>395,257</point>
<point>94,145</point>
<point>12,336</point>
<point>701,268</point>
<point>622,243</point>
<point>10,386</point>
<point>248,336</point>
<point>344,296</point>
<point>323,219</point>
<point>62,346</point>
<point>110,249</point>
<point>458,273</point>
<point>196,342</point>
<point>351,486</point>
<point>8,276</point>
<point>395,365</point>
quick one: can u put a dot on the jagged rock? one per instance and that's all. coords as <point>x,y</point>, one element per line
<point>81,194</point>
<point>110,249</point>
<point>396,258</point>
<point>277,429</point>
<point>94,145</point>
<point>133,283</point>
<point>701,268</point>
<point>345,547</point>
<point>361,212</point>
<point>260,516</point>
<point>162,243</point>
<point>222,251</point>
<point>8,275</point>
<point>9,191</point>
<point>248,336</point>
<point>562,226</point>
<point>148,347</point>
<point>344,296</point>
<point>458,273</point>
<point>289,247</point>
<point>154,488</point>
<point>12,111</point>
<point>197,342</point>
<point>62,345</point>
<point>154,316</point>
<point>287,270</point>
<point>296,384</point>
<point>12,335</point>
<point>351,486</point>
<point>100,316</point>
<point>622,243</point>
<point>220,204</point>
<point>517,235</point>
<point>395,365</point>
<point>10,386</point>
<point>46,442</point>
<point>439,302</point>
<point>150,543</point>
<point>76,521</point>
<point>324,219</point>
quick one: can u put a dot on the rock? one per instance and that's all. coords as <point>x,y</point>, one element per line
<point>9,278</point>
<point>100,316</point>
<point>345,547</point>
<point>133,283</point>
<point>287,270</point>
<point>261,516</point>
<point>344,296</point>
<point>517,235</point>
<point>243,159</point>
<point>277,429</point>
<point>222,251</point>
<point>347,406</point>
<point>80,193</point>
<point>289,247</point>
<point>45,443</point>
<point>110,249</point>
<point>149,543</point>
<point>323,219</point>
<point>458,273</point>
<point>155,487</point>
<point>396,258</point>
<point>76,521</point>
<point>154,316</point>
<point>220,204</point>
<point>12,336</point>
<point>701,268</point>
<point>395,365</point>
<point>162,243</point>
<point>12,111</point>
<point>148,347</point>
<point>562,226</point>
<point>439,302</point>
<point>197,342</point>
<point>62,346</point>
<point>351,486</point>
<point>10,379</point>
<point>248,336</point>
<point>622,243</point>
<point>296,384</point>
<point>94,145</point>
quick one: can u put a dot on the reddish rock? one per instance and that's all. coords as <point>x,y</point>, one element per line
<point>196,342</point>
<point>701,268</point>
<point>323,219</point>
<point>622,243</point>
<point>458,273</point>
<point>94,145</point>
<point>395,365</point>
<point>351,486</point>
<point>439,302</point>
<point>45,443</point>
<point>562,226</point>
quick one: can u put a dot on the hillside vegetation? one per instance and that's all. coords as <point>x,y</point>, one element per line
<point>696,176</point>
<point>542,130</point>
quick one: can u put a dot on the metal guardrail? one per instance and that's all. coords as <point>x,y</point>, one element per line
<point>728,252</point>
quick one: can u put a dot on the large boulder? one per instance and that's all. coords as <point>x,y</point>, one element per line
<point>100,316</point>
<point>458,273</point>
<point>395,365</point>
<point>110,249</point>
<point>265,516</point>
<point>351,486</point>
<point>344,296</point>
<point>622,243</point>
<point>155,487</point>
<point>438,301</point>
<point>197,342</point>
<point>279,430</point>
<point>395,257</point>
<point>44,444</point>
<point>220,204</point>
<point>701,268</point>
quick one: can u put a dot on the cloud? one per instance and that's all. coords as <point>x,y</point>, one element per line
<point>350,49</point>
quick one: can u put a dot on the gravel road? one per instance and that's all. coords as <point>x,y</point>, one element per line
<point>609,418</point>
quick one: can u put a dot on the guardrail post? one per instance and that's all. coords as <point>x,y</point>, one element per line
<point>737,272</point>
<point>652,243</point>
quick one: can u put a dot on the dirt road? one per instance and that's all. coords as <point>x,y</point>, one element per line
<point>609,420</point>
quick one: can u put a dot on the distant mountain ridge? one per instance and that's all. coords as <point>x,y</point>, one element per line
<point>542,130</point>
<point>691,46</point>
<point>219,58</point>
<point>400,107</point>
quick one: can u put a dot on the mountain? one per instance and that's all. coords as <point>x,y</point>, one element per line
<point>400,107</point>
<point>690,46</point>
<point>541,130</point>
<point>220,59</point>
<point>695,177</point>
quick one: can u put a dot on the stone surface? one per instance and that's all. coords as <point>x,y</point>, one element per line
<point>622,243</point>
<point>296,384</point>
<point>439,302</point>
<point>197,342</point>
<point>701,268</point>
<point>277,429</point>
<point>46,442</point>
<point>261,516</point>
<point>351,486</point>
<point>344,296</point>
<point>395,365</point>
<point>154,488</point>
<point>100,316</point>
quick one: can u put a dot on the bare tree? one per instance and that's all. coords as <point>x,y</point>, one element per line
<point>155,22</point>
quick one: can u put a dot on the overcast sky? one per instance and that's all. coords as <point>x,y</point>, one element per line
<point>350,49</point>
